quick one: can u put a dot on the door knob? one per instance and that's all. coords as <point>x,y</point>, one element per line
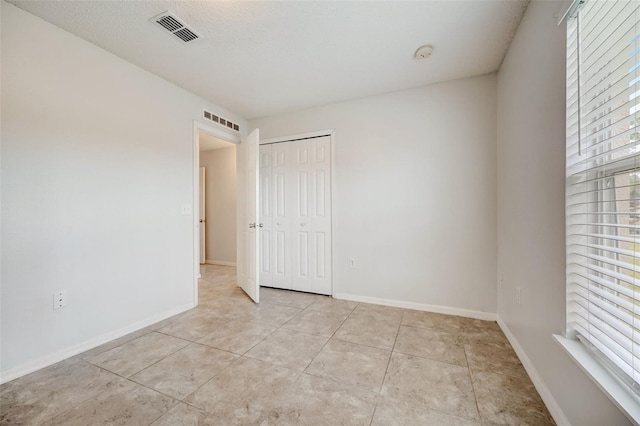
<point>303,224</point>
<point>252,225</point>
<point>260,225</point>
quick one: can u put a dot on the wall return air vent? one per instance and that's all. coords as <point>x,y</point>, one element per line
<point>209,116</point>
<point>175,26</point>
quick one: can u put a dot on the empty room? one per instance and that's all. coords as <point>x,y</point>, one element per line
<point>320,212</point>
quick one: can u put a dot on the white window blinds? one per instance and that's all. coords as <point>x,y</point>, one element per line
<point>603,182</point>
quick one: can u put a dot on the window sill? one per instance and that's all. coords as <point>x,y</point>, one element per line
<point>619,394</point>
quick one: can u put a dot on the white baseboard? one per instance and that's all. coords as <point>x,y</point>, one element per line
<point>220,262</point>
<point>487,316</point>
<point>551,403</point>
<point>45,361</point>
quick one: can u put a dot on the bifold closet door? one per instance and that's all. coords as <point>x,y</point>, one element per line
<point>311,220</point>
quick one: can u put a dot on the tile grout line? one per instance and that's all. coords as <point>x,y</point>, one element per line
<point>154,363</point>
<point>240,356</point>
<point>79,403</point>
<point>473,388</point>
<point>184,400</point>
<point>107,390</point>
<point>384,377</point>
<point>330,337</point>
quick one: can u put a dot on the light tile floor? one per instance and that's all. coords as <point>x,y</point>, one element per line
<point>294,359</point>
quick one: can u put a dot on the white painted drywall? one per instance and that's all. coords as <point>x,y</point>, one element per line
<point>220,183</point>
<point>531,239</point>
<point>97,158</point>
<point>415,192</point>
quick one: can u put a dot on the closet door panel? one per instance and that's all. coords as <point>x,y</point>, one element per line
<point>282,253</point>
<point>301,215</point>
<point>266,216</point>
<point>320,170</point>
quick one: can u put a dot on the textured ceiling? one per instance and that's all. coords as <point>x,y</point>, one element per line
<point>263,58</point>
<point>207,142</point>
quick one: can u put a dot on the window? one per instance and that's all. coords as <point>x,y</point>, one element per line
<point>603,182</point>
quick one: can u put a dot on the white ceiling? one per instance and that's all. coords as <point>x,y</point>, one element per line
<point>262,58</point>
<point>207,142</point>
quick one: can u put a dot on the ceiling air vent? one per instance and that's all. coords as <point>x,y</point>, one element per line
<point>208,115</point>
<point>175,26</point>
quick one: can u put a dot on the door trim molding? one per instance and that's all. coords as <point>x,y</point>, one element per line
<point>226,136</point>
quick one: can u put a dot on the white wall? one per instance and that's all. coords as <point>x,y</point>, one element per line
<point>220,182</point>
<point>97,158</point>
<point>415,192</point>
<point>531,233</point>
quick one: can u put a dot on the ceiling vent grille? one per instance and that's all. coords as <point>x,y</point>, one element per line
<point>208,115</point>
<point>175,26</point>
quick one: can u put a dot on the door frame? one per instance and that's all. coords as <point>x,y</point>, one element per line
<point>320,133</point>
<point>227,137</point>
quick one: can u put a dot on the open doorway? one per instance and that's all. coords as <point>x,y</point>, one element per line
<point>217,200</point>
<point>211,172</point>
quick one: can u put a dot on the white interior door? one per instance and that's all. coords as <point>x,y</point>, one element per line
<point>203,223</point>
<point>248,203</point>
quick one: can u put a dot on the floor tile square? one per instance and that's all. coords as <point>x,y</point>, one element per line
<point>115,343</point>
<point>316,322</point>
<point>329,305</point>
<point>237,336</point>
<point>379,333</point>
<point>138,354</point>
<point>426,384</point>
<point>184,371</point>
<point>379,313</point>
<point>439,322</point>
<point>508,400</point>
<point>126,404</point>
<point>408,414</point>
<point>488,335</point>
<point>193,326</point>
<point>244,391</point>
<point>432,344</point>
<point>493,358</point>
<point>49,392</point>
<point>351,363</point>
<point>316,401</point>
<point>288,348</point>
<point>186,415</point>
<point>293,299</point>
<point>274,315</point>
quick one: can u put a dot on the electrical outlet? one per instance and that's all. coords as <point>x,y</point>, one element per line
<point>352,262</point>
<point>518,296</point>
<point>59,299</point>
<point>186,209</point>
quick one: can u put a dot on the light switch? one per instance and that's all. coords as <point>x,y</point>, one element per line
<point>186,209</point>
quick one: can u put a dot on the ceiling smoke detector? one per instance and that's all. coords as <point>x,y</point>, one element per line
<point>423,52</point>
